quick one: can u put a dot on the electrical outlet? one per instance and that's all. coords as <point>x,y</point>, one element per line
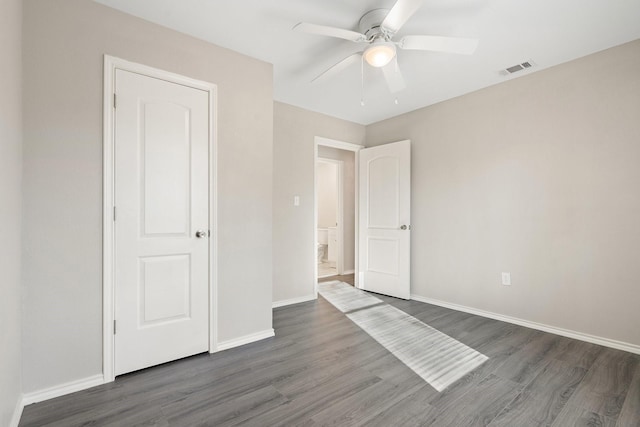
<point>506,279</point>
<point>296,200</point>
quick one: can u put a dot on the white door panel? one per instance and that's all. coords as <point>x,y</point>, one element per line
<point>161,199</point>
<point>165,169</point>
<point>385,210</point>
<point>382,194</point>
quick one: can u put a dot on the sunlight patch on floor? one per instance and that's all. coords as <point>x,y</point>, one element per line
<point>436,357</point>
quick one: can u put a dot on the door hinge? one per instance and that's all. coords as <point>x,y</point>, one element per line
<point>114,100</point>
<point>114,213</point>
<point>114,327</point>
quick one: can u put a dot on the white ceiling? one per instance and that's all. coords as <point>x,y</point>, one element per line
<point>548,32</point>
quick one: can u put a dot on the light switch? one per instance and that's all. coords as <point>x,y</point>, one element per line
<point>506,279</point>
<point>296,200</point>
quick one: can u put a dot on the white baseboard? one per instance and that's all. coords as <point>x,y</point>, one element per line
<point>620,345</point>
<point>298,300</point>
<point>85,383</point>
<point>62,389</point>
<point>17,413</point>
<point>348,272</point>
<point>236,342</point>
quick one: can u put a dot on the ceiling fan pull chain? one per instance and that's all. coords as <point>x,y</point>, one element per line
<point>397,70</point>
<point>362,81</point>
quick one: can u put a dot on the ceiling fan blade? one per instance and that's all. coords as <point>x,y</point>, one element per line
<point>400,13</point>
<point>323,30</point>
<point>335,69</point>
<point>393,76</point>
<point>459,45</point>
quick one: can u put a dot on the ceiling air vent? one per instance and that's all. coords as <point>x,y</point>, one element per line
<point>516,68</point>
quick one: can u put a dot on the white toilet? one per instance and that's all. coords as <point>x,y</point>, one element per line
<point>323,243</point>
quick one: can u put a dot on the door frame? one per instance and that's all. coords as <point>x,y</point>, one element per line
<point>341,145</point>
<point>111,64</point>
<point>339,209</point>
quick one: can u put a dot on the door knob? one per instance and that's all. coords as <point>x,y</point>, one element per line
<point>405,227</point>
<point>201,233</point>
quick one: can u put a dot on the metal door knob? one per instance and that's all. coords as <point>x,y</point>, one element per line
<point>404,227</point>
<point>201,233</point>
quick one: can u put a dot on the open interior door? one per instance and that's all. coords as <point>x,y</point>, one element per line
<point>385,210</point>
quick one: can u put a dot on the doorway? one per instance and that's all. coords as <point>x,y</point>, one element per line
<point>330,212</point>
<point>159,217</point>
<point>335,208</point>
<point>382,216</point>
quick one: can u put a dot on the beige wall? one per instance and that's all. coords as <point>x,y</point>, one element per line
<point>540,177</point>
<point>10,205</point>
<point>348,195</point>
<point>64,44</point>
<point>293,227</point>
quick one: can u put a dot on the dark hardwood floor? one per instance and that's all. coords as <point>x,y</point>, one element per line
<point>321,369</point>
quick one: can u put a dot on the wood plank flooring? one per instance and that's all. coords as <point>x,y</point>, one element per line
<point>437,358</point>
<point>322,369</point>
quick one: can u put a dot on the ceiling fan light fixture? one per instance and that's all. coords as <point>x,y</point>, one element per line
<point>380,54</point>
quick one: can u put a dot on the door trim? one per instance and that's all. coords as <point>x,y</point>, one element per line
<point>108,257</point>
<point>341,145</point>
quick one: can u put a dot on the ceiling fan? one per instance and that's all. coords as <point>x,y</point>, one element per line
<point>377,29</point>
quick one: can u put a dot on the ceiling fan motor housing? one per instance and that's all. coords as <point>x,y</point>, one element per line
<point>370,24</point>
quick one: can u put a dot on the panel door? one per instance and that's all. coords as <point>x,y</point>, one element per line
<point>385,211</point>
<point>161,200</point>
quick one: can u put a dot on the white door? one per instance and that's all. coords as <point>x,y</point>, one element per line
<point>161,200</point>
<point>385,223</point>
